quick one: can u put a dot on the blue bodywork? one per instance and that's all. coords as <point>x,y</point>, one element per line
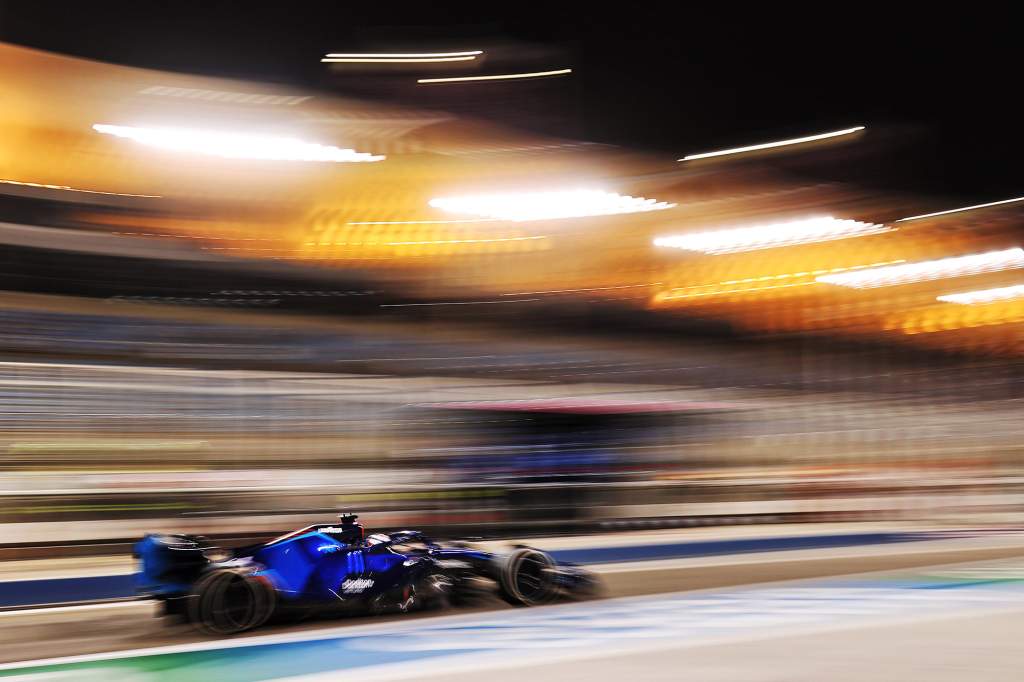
<point>317,566</point>
<point>332,566</point>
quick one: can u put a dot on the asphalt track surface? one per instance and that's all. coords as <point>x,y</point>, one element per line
<point>49,633</point>
<point>836,637</point>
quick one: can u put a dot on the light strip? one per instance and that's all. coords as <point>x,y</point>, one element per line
<point>729,287</point>
<point>424,222</point>
<point>231,145</point>
<point>985,295</point>
<point>468,241</point>
<point>401,55</point>
<point>553,205</point>
<point>960,210</point>
<point>809,273</point>
<point>771,235</point>
<point>959,266</point>
<point>665,296</point>
<point>570,291</point>
<point>76,189</point>
<point>414,305</point>
<point>397,60</point>
<point>500,77</point>
<point>770,145</point>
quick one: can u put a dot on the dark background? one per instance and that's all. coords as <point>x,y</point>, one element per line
<point>941,86</point>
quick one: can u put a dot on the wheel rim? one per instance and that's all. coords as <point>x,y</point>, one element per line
<point>228,602</point>
<point>531,578</point>
<point>235,604</point>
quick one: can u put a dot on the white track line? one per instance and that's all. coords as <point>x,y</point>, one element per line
<point>80,608</point>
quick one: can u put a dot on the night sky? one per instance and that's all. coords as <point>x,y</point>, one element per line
<point>675,81</point>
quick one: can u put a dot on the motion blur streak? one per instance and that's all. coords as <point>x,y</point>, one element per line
<point>497,77</point>
<point>470,241</point>
<point>961,210</point>
<point>985,295</point>
<point>76,189</point>
<point>959,266</point>
<point>233,145</point>
<point>423,222</point>
<point>553,205</point>
<point>754,284</point>
<point>393,60</point>
<point>771,235</point>
<point>771,145</point>
<point>402,55</point>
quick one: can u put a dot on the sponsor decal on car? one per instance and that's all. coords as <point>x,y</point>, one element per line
<point>356,585</point>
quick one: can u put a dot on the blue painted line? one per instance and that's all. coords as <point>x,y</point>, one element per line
<point>682,550</point>
<point>61,590</point>
<point>23,593</point>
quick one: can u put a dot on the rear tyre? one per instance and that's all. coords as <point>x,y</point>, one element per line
<point>527,578</point>
<point>227,602</point>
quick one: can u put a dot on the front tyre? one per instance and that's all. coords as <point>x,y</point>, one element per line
<point>527,578</point>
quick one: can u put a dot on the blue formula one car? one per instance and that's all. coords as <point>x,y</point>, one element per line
<point>336,568</point>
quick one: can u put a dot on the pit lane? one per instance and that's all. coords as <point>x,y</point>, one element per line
<point>66,631</point>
